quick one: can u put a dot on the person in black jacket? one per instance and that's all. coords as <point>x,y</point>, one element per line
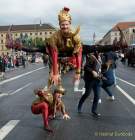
<point>92,82</point>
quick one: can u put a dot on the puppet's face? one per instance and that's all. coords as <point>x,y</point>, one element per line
<point>58,97</point>
<point>65,26</point>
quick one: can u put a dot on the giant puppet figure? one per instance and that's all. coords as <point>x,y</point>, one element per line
<point>66,43</point>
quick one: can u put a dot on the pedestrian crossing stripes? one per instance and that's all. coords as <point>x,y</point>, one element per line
<point>5,130</point>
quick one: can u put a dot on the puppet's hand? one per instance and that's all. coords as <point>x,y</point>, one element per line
<point>55,79</point>
<point>66,116</point>
<point>76,77</point>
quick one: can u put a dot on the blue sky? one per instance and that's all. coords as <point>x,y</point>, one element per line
<point>92,15</point>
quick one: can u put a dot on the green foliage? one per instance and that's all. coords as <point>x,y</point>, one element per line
<point>30,42</point>
<point>39,42</point>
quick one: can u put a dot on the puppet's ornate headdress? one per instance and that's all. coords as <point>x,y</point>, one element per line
<point>64,15</point>
<point>60,90</point>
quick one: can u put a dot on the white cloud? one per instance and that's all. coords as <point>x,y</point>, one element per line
<point>94,16</point>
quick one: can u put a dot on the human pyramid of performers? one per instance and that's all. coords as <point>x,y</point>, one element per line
<point>65,51</point>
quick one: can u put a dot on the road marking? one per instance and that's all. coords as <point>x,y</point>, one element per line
<point>12,93</point>
<point>4,94</point>
<point>125,94</point>
<point>126,82</point>
<point>4,131</point>
<point>20,89</point>
<point>19,76</point>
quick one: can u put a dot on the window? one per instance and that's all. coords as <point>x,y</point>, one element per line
<point>40,33</point>
<point>1,41</point>
<point>50,32</point>
<point>30,33</point>
<point>16,34</point>
<point>1,35</point>
<point>45,33</point>
<point>115,38</point>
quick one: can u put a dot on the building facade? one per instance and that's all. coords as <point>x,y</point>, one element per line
<point>128,29</point>
<point>42,31</point>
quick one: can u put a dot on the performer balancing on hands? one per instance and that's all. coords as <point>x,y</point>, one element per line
<point>48,104</point>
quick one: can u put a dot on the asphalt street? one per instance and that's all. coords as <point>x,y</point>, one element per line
<point>18,123</point>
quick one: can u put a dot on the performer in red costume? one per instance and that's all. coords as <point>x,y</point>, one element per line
<point>48,104</point>
<point>65,41</point>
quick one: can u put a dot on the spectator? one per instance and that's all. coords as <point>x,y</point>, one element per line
<point>108,79</point>
<point>111,56</point>
<point>91,79</point>
<point>2,67</point>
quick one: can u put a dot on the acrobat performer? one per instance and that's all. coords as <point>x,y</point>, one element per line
<point>48,105</point>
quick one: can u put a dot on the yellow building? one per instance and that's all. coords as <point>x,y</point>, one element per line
<point>32,30</point>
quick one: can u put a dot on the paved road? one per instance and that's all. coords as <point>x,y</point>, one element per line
<point>18,123</point>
